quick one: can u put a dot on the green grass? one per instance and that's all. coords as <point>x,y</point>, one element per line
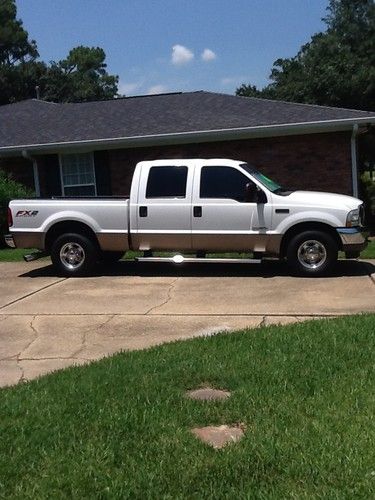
<point>119,428</point>
<point>14,254</point>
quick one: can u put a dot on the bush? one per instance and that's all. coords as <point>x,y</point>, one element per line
<point>9,190</point>
<point>367,187</point>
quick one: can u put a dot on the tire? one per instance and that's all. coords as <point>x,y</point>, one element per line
<point>74,254</point>
<point>312,253</point>
<point>111,257</point>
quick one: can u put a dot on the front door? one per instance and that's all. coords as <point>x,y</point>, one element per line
<point>222,219</point>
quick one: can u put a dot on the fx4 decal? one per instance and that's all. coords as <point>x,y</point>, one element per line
<point>27,213</point>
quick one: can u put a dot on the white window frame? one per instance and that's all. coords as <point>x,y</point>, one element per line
<point>91,154</point>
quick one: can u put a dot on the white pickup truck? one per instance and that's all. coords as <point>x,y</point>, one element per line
<point>195,207</point>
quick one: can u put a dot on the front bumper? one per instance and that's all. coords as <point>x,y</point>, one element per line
<point>353,239</point>
<point>9,240</point>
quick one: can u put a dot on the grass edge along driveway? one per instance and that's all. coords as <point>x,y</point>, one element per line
<point>120,427</point>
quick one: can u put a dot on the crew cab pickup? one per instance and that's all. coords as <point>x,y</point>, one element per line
<point>194,207</point>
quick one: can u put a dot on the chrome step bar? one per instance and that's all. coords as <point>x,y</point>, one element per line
<point>180,259</point>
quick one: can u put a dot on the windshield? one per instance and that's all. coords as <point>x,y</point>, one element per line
<point>263,179</point>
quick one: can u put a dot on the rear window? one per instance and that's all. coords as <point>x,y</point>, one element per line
<point>167,182</point>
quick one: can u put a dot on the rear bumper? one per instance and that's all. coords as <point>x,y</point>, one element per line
<point>25,239</point>
<point>353,239</point>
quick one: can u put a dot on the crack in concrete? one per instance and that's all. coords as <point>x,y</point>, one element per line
<point>32,293</point>
<point>62,358</point>
<point>170,288</point>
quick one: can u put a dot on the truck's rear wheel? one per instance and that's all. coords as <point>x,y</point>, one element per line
<point>312,253</point>
<point>74,254</point>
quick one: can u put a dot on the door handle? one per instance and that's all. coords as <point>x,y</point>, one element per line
<point>197,211</point>
<point>142,211</point>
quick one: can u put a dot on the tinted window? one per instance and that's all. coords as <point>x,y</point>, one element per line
<point>223,182</point>
<point>166,182</point>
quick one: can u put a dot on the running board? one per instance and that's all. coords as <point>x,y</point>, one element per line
<point>180,259</point>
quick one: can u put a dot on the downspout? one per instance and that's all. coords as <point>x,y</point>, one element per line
<point>353,147</point>
<point>26,155</point>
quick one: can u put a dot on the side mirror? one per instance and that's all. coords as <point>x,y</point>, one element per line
<point>261,196</point>
<point>250,192</point>
<point>253,194</point>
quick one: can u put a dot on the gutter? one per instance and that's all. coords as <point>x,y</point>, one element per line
<point>353,148</point>
<point>196,136</point>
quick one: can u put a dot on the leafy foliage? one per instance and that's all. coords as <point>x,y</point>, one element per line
<point>9,190</point>
<point>336,68</point>
<point>82,76</point>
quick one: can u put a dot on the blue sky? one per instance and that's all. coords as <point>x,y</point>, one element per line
<point>164,45</point>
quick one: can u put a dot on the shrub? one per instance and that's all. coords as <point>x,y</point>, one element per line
<point>367,187</point>
<point>9,190</point>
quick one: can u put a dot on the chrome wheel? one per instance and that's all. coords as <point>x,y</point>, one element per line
<point>312,254</point>
<point>72,255</point>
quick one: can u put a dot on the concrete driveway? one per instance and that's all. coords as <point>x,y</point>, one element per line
<point>48,323</point>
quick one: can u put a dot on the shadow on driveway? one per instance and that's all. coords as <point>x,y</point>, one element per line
<point>268,269</point>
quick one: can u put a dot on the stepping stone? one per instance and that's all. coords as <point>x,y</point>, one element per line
<point>219,436</point>
<point>208,394</point>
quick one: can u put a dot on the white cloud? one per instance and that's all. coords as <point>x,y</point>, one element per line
<point>128,88</point>
<point>208,55</point>
<point>157,89</point>
<point>181,55</point>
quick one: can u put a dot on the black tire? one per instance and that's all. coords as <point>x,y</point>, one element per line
<point>312,253</point>
<point>74,254</point>
<point>111,257</point>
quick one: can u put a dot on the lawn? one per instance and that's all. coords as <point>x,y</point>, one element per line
<point>119,428</point>
<point>16,254</point>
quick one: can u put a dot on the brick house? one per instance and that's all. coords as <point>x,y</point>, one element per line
<point>92,148</point>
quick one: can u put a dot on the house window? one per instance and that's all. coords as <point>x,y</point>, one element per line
<point>78,174</point>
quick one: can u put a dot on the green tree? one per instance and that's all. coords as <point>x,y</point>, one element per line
<point>19,69</point>
<point>336,68</point>
<point>82,76</point>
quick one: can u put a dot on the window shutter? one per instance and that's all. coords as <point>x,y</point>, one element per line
<point>52,173</point>
<point>102,173</point>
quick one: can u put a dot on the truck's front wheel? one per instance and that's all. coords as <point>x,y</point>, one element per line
<point>312,253</point>
<point>74,254</point>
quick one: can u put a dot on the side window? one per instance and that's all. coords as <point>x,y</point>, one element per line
<point>166,182</point>
<point>223,182</point>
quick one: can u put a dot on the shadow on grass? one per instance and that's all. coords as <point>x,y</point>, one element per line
<point>268,269</point>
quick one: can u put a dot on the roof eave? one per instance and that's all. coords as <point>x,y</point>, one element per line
<point>192,137</point>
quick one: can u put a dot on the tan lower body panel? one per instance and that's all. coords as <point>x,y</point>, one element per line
<point>113,242</point>
<point>29,240</point>
<point>266,243</point>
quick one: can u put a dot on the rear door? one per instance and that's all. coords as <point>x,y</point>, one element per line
<point>222,218</point>
<point>164,206</point>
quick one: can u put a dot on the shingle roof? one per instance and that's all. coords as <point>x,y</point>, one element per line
<point>38,122</point>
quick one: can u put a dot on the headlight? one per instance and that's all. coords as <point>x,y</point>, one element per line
<point>352,219</point>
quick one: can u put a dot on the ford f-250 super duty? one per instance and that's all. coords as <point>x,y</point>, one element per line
<point>196,207</point>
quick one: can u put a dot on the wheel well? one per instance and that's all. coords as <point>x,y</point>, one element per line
<point>68,227</point>
<point>308,226</point>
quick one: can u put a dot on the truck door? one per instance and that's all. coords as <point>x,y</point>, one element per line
<point>222,219</point>
<point>164,206</point>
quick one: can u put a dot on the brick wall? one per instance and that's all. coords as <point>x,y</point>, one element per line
<point>316,161</point>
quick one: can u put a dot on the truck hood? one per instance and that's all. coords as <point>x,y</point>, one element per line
<point>321,199</point>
